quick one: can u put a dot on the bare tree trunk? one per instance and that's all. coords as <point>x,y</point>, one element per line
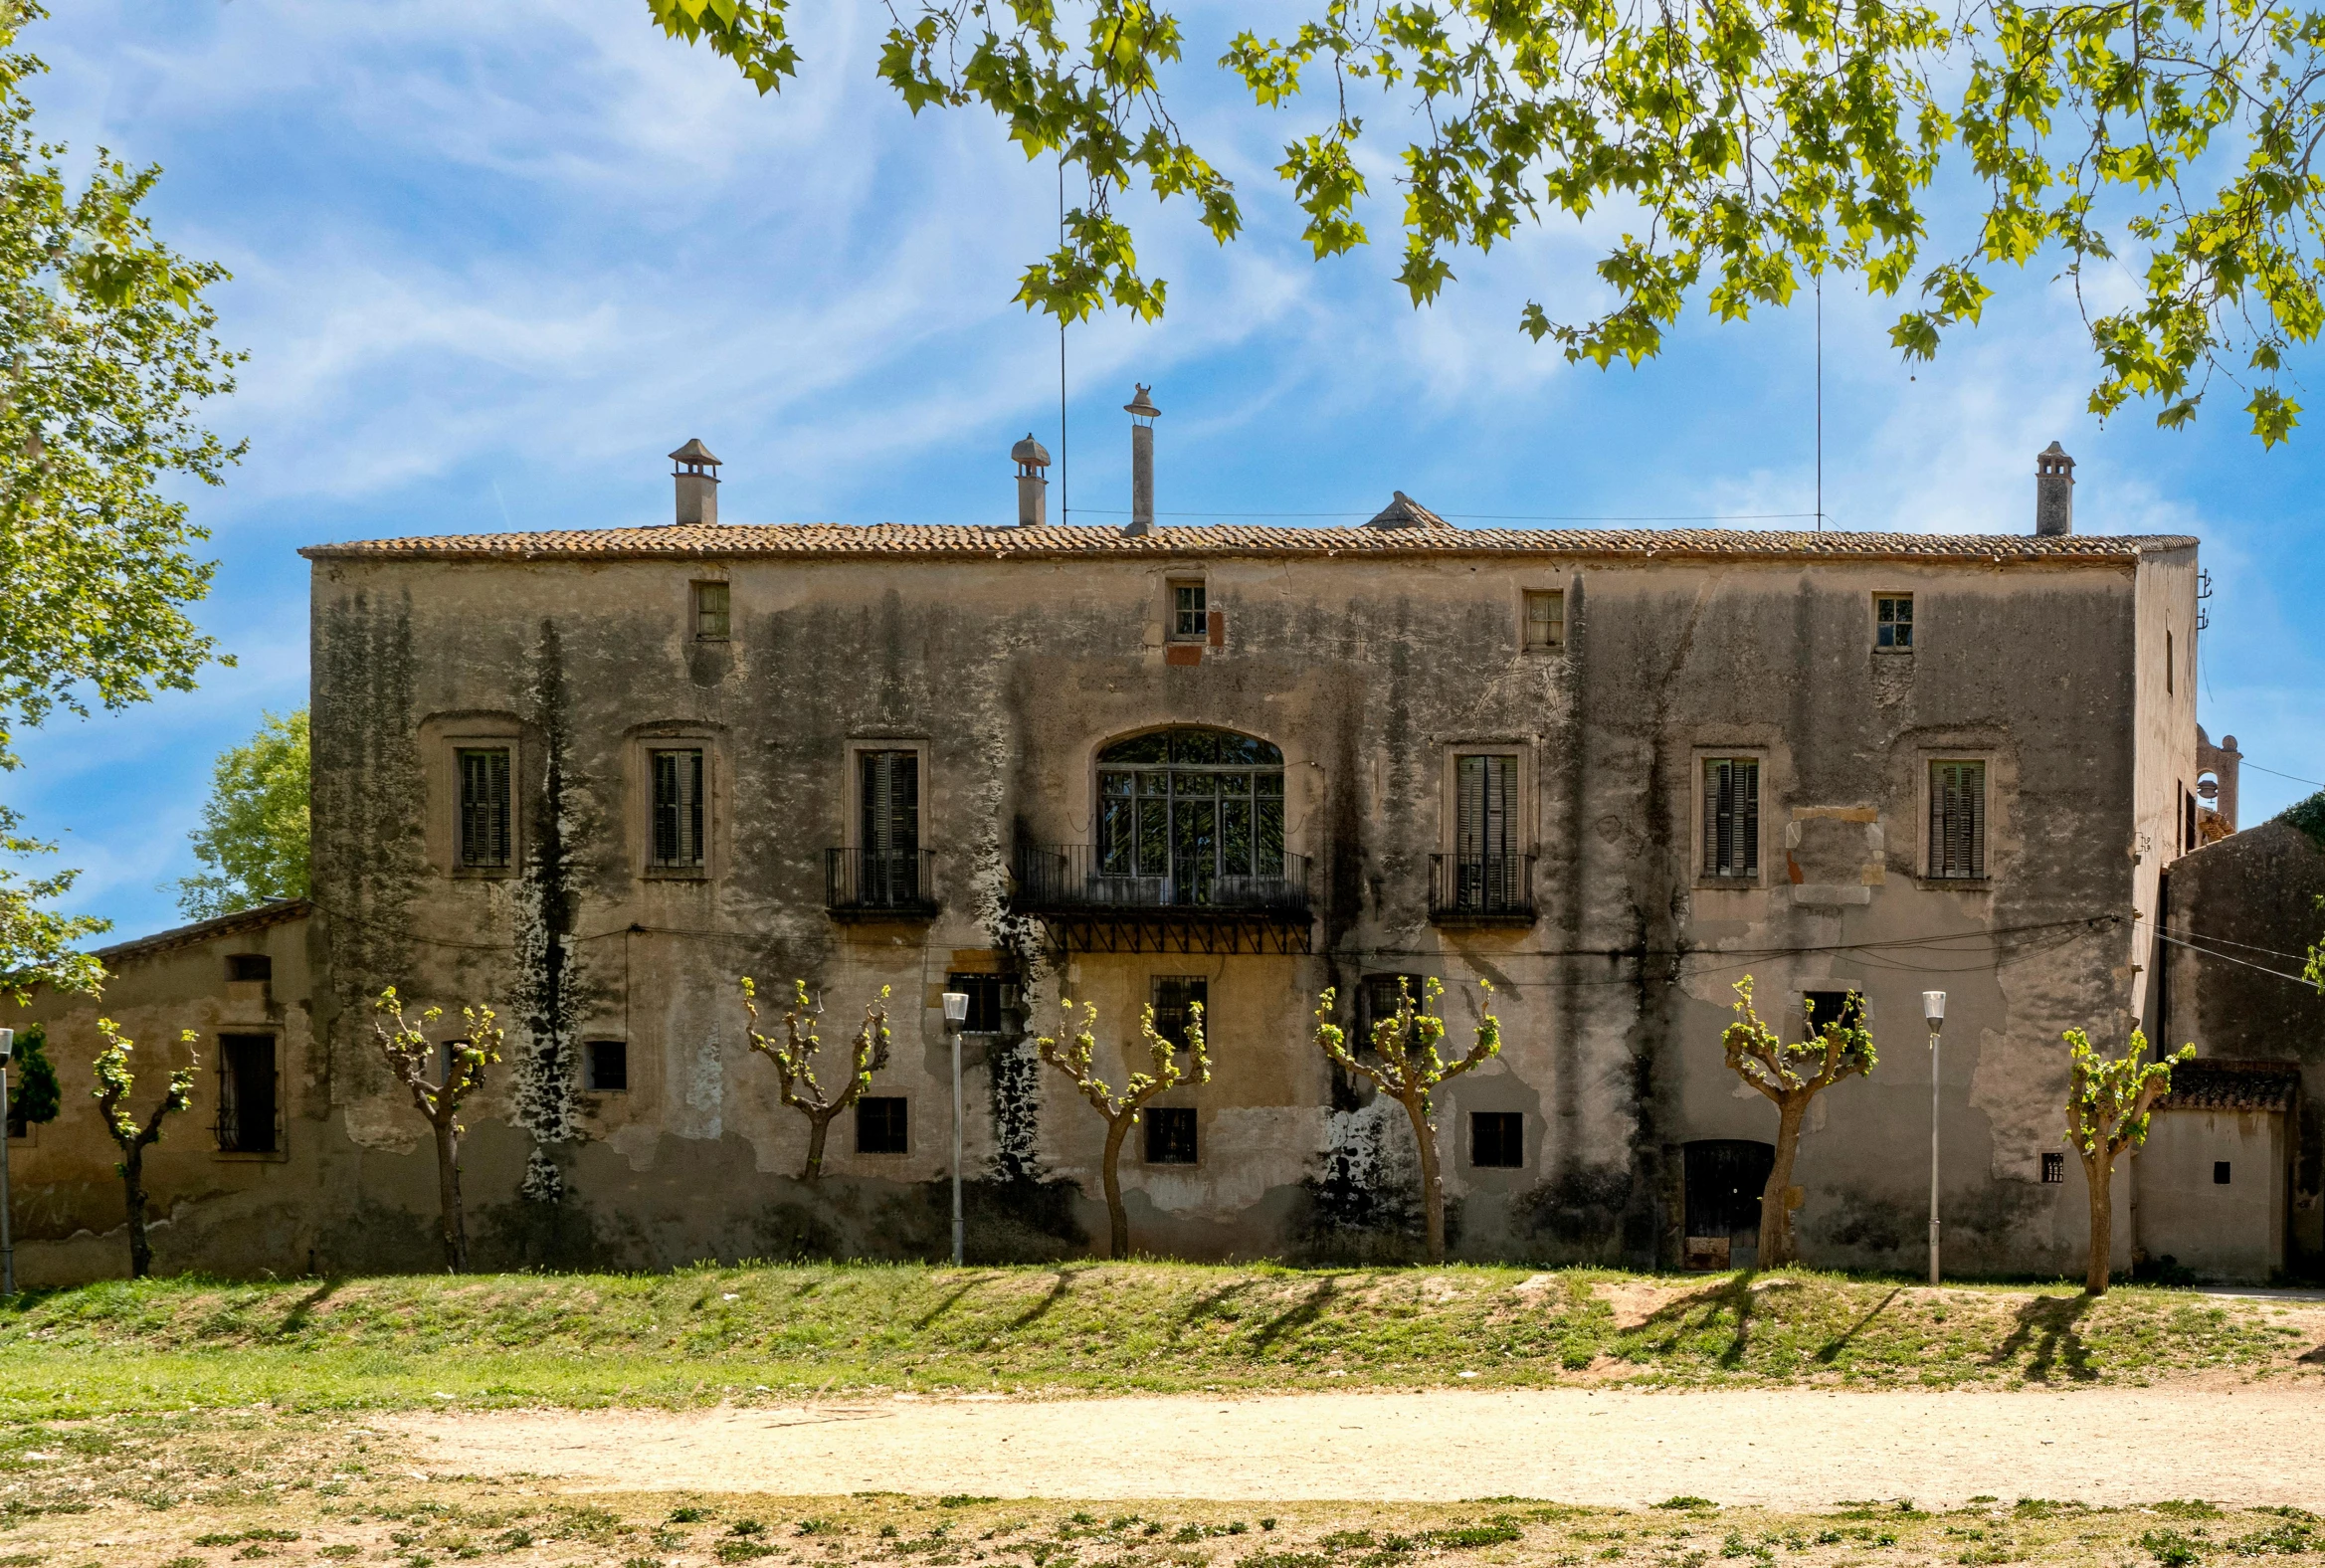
<point>1775,1215</point>
<point>818,1126</point>
<point>2098,1177</point>
<point>133,1185</point>
<point>1117,1218</point>
<point>447,1190</point>
<point>1433,1189</point>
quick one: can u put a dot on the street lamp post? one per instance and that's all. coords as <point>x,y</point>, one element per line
<point>1933,1008</point>
<point>956,1013</point>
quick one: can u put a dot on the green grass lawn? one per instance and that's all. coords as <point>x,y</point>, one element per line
<point>764,1333</point>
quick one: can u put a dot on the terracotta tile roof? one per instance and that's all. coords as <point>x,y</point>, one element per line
<point>1431,537</point>
<point>2219,1083</point>
<point>235,924</point>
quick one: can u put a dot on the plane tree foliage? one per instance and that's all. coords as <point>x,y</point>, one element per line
<point>106,354</point>
<point>2160,153</point>
<point>253,842</point>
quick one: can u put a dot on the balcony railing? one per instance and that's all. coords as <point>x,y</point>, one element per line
<point>880,883</point>
<point>1481,890</point>
<point>1070,878</point>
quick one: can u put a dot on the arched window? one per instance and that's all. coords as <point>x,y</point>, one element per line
<point>1200,809</point>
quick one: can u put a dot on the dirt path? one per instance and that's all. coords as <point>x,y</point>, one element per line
<point>1779,1448</point>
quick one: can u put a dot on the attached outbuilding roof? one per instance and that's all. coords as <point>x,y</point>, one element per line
<point>1423,534</point>
<point>2221,1083</point>
<point>239,924</point>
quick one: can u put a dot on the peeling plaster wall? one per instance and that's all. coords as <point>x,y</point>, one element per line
<point>1369,675</point>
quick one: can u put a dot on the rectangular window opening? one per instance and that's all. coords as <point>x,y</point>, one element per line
<point>678,808</point>
<point>246,1094</point>
<point>2167,664</point>
<point>1170,1134</point>
<point>606,1066</point>
<point>1957,819</point>
<point>1497,1140</point>
<point>1175,999</point>
<point>711,619</point>
<point>1893,622</point>
<point>1190,611</point>
<point>991,997</point>
<point>484,822</point>
<point>2219,1173</point>
<point>1545,619</point>
<point>2053,1168</point>
<point>1731,818</point>
<point>249,966</point>
<point>1832,1007</point>
<point>881,1124</point>
<point>1377,1000</point>
<point>888,828</point>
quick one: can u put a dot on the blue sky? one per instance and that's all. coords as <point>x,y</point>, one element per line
<point>492,262</point>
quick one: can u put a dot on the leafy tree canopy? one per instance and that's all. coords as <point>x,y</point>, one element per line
<point>34,1096</point>
<point>253,832</point>
<point>1740,146</point>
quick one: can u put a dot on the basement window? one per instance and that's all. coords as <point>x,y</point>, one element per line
<point>1497,1140</point>
<point>1170,1134</point>
<point>881,1124</point>
<point>2053,1169</point>
<point>606,1066</point>
<point>2219,1173</point>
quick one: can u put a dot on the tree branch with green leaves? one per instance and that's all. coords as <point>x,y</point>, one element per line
<point>794,1055</point>
<point>116,1081</point>
<point>1074,1053</point>
<point>2109,1100</point>
<point>253,836</point>
<point>439,1080</point>
<point>1791,1076</point>
<point>1743,148</point>
<point>1404,1064</point>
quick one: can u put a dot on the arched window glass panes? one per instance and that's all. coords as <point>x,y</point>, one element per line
<point>1199,810</point>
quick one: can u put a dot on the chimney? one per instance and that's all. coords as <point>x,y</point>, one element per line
<point>1142,414</point>
<point>1032,482</point>
<point>696,475</point>
<point>2054,491</point>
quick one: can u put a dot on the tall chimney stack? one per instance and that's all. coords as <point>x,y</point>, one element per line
<point>1142,414</point>
<point>696,476</point>
<point>2054,490</point>
<point>1032,482</point>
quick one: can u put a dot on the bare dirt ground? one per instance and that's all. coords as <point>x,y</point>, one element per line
<point>2230,1442</point>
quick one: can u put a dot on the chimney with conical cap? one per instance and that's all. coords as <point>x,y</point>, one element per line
<point>1142,414</point>
<point>696,475</point>
<point>2054,490</point>
<point>1032,482</point>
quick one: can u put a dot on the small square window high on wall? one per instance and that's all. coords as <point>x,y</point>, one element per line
<point>606,1066</point>
<point>988,995</point>
<point>881,1124</point>
<point>1545,620</point>
<point>711,620</point>
<point>2053,1168</point>
<point>1893,622</point>
<point>1170,1134</point>
<point>1497,1140</point>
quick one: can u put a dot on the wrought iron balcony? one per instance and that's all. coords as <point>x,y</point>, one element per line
<point>1096,905</point>
<point>1481,890</point>
<point>880,884</point>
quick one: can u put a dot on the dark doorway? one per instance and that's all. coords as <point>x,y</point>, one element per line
<point>246,1094</point>
<point>1725,1178</point>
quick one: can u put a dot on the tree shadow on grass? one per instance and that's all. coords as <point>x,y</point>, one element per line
<point>1829,1351</point>
<point>2047,1333</point>
<point>301,1314</point>
<point>952,1299</point>
<point>1061,1281</point>
<point>1300,1315</point>
<point>1667,1326</point>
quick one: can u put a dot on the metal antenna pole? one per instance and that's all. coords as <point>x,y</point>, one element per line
<point>1820,402</point>
<point>1064,486</point>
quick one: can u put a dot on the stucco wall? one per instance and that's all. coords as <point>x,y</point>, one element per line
<point>2233,1229</point>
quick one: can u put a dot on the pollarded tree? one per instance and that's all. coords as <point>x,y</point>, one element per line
<point>1072,1057</point>
<point>115,1082</point>
<point>1791,1076</point>
<point>2107,1103</point>
<point>795,1054</point>
<point>1405,1065</point>
<point>441,1079</point>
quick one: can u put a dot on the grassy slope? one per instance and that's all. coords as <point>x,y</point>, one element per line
<point>714,1333</point>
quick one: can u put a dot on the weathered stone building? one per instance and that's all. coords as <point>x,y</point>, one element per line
<point>593,776</point>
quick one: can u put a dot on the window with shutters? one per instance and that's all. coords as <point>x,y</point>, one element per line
<point>1731,818</point>
<point>1175,999</point>
<point>1488,866</point>
<point>678,809</point>
<point>711,620</point>
<point>1545,620</point>
<point>1957,821</point>
<point>483,837</point>
<point>887,827</point>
